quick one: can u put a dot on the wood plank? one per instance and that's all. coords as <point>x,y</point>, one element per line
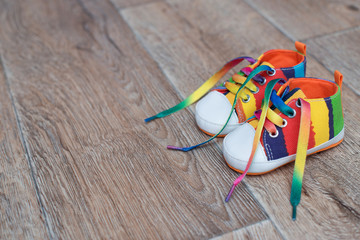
<point>261,230</point>
<point>307,19</point>
<point>82,86</point>
<point>20,214</point>
<point>183,33</point>
<point>340,51</point>
<point>174,40</point>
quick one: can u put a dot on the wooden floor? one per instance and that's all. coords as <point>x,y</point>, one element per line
<point>77,161</point>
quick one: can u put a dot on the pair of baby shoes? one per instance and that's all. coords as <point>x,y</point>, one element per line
<point>270,114</point>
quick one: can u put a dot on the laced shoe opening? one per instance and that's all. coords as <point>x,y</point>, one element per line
<point>282,58</point>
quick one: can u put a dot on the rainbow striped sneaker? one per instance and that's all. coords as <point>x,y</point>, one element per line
<point>213,110</point>
<point>305,117</point>
<point>219,112</point>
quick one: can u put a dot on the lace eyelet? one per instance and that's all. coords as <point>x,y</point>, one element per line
<point>284,123</point>
<point>298,103</point>
<point>256,91</point>
<point>293,115</point>
<point>263,82</point>
<point>272,72</point>
<point>246,100</point>
<point>275,134</point>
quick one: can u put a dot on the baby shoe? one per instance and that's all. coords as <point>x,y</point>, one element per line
<point>213,110</point>
<point>305,117</point>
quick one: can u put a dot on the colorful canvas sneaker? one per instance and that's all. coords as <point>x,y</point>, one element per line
<point>213,110</point>
<point>215,114</point>
<point>305,117</point>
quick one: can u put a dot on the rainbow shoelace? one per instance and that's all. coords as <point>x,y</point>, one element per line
<point>261,68</point>
<point>268,118</point>
<point>235,85</point>
<point>210,83</point>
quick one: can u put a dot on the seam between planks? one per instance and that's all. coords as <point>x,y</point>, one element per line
<point>26,149</point>
<point>180,96</point>
<point>118,10</point>
<point>332,72</point>
<point>238,229</point>
<point>178,93</point>
<point>270,20</point>
<point>333,33</point>
<point>253,224</point>
<point>215,144</point>
<point>245,183</point>
<point>289,37</point>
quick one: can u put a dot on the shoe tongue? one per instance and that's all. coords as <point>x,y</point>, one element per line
<point>293,94</point>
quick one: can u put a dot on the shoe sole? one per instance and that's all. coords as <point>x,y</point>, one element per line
<point>211,135</point>
<point>292,157</point>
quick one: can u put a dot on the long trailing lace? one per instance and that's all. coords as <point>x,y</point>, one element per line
<point>204,88</point>
<point>300,160</point>
<point>268,118</point>
<point>252,74</point>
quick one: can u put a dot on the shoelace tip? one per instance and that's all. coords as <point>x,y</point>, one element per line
<point>149,119</point>
<point>230,193</point>
<point>294,213</point>
<point>179,148</point>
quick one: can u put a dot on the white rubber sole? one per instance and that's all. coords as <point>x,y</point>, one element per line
<point>268,166</point>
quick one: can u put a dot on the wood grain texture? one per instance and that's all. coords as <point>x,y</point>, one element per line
<point>82,83</point>
<point>20,214</point>
<point>306,19</point>
<point>82,86</point>
<point>261,230</point>
<point>187,32</point>
<point>340,51</point>
<point>120,4</point>
<point>190,46</point>
<point>229,32</point>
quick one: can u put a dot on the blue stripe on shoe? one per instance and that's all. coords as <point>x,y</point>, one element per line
<point>275,147</point>
<point>288,72</point>
<point>300,69</point>
<point>331,117</point>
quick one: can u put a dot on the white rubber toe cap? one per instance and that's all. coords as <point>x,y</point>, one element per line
<point>212,112</point>
<point>237,148</point>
